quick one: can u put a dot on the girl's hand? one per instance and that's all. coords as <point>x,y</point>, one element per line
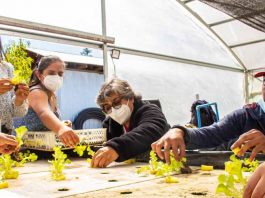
<point>22,93</point>
<point>68,137</point>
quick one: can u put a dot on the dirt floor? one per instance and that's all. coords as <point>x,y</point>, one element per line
<point>197,184</point>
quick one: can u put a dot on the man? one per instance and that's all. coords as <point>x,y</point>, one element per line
<point>247,123</point>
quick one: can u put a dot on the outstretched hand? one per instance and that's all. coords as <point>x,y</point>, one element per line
<point>103,157</point>
<point>253,139</point>
<point>172,140</point>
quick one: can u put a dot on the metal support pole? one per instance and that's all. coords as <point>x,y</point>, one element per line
<point>104,33</point>
<point>246,87</point>
<point>54,29</point>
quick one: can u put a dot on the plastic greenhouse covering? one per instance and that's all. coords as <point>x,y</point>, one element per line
<point>171,50</point>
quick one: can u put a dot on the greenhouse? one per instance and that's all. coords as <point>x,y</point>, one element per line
<point>182,78</point>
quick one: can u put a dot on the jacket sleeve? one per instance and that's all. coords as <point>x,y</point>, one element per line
<point>227,129</point>
<point>151,126</point>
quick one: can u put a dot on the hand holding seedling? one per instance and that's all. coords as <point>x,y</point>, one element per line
<point>21,93</point>
<point>103,157</point>
<point>172,140</point>
<point>253,139</point>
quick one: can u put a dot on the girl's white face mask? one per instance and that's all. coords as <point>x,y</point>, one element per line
<point>53,82</point>
<point>122,114</point>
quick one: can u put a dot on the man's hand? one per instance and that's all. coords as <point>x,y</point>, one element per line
<point>256,183</point>
<point>251,139</point>
<point>8,144</point>
<point>173,139</point>
<point>103,157</point>
<point>22,93</point>
<point>5,85</point>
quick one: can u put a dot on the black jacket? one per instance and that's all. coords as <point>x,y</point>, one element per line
<point>147,124</point>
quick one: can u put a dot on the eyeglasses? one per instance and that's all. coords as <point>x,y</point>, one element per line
<point>116,104</point>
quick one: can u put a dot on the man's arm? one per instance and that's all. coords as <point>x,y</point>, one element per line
<point>177,137</point>
<point>230,127</point>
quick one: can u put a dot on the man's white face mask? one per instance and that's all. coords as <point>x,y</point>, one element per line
<point>122,114</point>
<point>53,82</point>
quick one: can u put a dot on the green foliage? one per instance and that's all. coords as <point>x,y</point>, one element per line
<point>7,163</point>
<point>60,159</point>
<point>160,168</point>
<point>20,132</point>
<point>91,153</point>
<point>250,166</point>
<point>6,167</point>
<point>16,55</point>
<point>79,149</point>
<point>25,157</point>
<point>233,183</point>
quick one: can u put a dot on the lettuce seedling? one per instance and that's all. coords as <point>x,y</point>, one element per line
<point>90,153</point>
<point>20,132</point>
<point>159,168</point>
<point>6,167</point>
<point>25,157</point>
<point>79,149</point>
<point>233,183</point>
<point>60,159</point>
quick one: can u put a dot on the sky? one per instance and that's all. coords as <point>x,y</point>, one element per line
<point>58,13</point>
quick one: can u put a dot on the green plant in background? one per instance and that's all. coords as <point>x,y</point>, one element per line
<point>60,159</point>
<point>20,132</point>
<point>233,183</point>
<point>16,54</point>
<point>160,168</point>
<point>25,157</point>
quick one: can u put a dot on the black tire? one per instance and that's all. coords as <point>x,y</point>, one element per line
<point>86,114</point>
